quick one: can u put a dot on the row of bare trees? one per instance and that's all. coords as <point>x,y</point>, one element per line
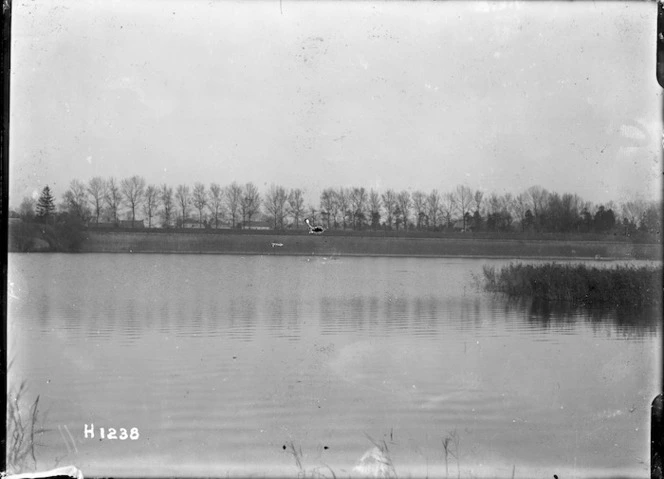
<point>461,208</point>
<point>110,201</point>
<point>103,200</point>
<point>358,208</point>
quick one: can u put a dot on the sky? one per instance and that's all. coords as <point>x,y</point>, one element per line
<point>403,95</point>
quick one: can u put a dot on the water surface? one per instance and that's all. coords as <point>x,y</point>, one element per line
<point>221,361</point>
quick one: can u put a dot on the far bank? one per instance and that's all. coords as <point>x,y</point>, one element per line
<point>289,244</point>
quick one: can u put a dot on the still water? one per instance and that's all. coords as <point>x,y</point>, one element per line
<point>213,364</point>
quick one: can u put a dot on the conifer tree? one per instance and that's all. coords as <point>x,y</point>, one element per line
<point>45,205</point>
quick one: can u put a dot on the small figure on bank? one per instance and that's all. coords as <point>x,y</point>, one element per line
<point>314,229</point>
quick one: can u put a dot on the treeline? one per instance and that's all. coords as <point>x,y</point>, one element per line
<point>132,202</point>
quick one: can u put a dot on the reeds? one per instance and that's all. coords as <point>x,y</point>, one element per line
<point>451,448</point>
<point>621,286</point>
<point>318,472</point>
<point>22,430</point>
<point>296,452</point>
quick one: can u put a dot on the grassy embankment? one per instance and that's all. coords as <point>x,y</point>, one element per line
<point>275,243</point>
<point>621,286</point>
<point>62,237</point>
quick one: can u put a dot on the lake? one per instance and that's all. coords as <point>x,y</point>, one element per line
<point>217,365</point>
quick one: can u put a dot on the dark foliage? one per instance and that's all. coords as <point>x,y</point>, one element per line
<point>22,236</point>
<point>605,220</point>
<point>64,233</point>
<point>621,286</point>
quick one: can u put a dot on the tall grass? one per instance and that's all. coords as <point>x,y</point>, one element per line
<point>318,472</point>
<point>451,448</point>
<point>621,286</point>
<point>296,452</point>
<point>22,430</point>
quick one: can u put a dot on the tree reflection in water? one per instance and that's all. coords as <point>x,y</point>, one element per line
<point>430,315</point>
<point>626,321</point>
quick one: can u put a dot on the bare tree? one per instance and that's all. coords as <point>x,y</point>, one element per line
<point>374,208</point>
<point>166,194</point>
<point>296,205</point>
<point>343,202</point>
<point>506,201</point>
<point>97,191</point>
<point>494,204</point>
<point>183,198</point>
<point>358,202</point>
<point>519,208</point>
<point>113,198</point>
<point>499,212</point>
<point>508,204</point>
<point>76,200</point>
<point>433,207</point>
<point>633,210</point>
<point>328,205</point>
<point>27,209</point>
<point>420,207</point>
<point>651,219</point>
<point>404,203</point>
<point>233,197</point>
<point>572,204</point>
<point>216,200</point>
<point>251,202</point>
<point>336,208</point>
<point>282,200</point>
<point>447,205</point>
<point>585,217</point>
<point>538,198</point>
<point>313,214</point>
<point>133,190</point>
<point>463,197</point>
<point>477,200</point>
<point>390,204</point>
<point>199,200</point>
<point>275,204</point>
<point>271,205</point>
<point>151,203</point>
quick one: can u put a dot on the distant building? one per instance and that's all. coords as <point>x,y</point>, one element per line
<point>104,224</point>
<point>458,226</point>
<point>193,224</point>
<point>139,224</point>
<point>222,225</point>
<point>131,224</point>
<point>257,225</point>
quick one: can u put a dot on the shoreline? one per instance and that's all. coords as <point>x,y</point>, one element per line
<point>369,246</point>
<point>359,255</point>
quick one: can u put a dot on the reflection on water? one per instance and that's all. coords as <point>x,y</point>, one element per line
<point>221,360</point>
<point>625,322</point>
<point>420,315</point>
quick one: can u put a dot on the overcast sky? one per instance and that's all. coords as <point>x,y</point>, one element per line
<point>498,96</point>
